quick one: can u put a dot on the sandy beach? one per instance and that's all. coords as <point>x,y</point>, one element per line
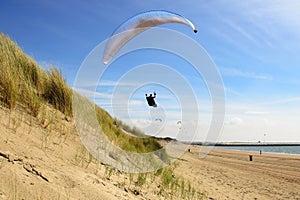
<point>228,174</point>
<point>51,163</point>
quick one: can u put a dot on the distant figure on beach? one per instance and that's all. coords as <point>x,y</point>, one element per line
<point>250,157</point>
<point>150,100</point>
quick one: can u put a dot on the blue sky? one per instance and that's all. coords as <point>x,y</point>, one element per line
<point>254,44</point>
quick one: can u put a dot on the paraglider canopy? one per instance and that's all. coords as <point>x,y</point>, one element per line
<point>138,24</point>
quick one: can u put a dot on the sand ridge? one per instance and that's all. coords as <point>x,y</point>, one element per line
<point>49,162</point>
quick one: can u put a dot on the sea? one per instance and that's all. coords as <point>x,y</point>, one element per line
<point>270,149</point>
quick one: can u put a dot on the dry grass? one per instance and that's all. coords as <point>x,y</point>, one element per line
<point>24,83</point>
<point>58,93</point>
<point>8,87</point>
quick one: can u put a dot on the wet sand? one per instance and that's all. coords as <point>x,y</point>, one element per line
<point>228,174</point>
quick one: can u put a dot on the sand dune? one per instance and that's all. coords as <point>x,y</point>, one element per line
<point>49,162</point>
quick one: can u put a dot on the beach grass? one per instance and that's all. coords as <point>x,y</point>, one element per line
<point>45,95</point>
<point>23,83</point>
<point>58,93</point>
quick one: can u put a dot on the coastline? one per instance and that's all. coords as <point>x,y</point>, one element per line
<point>228,174</point>
<point>254,151</point>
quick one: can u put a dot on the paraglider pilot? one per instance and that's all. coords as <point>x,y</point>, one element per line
<point>150,100</point>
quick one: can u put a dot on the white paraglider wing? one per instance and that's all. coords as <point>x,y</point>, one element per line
<point>138,24</point>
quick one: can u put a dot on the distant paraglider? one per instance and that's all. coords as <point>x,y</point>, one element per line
<point>158,120</point>
<point>137,25</point>
<point>179,124</point>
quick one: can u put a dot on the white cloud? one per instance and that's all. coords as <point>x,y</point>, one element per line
<point>234,121</point>
<point>90,93</point>
<point>115,83</point>
<point>241,31</point>
<point>269,25</point>
<point>283,101</point>
<point>232,91</point>
<point>136,103</point>
<point>256,112</point>
<point>286,13</point>
<point>236,72</point>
